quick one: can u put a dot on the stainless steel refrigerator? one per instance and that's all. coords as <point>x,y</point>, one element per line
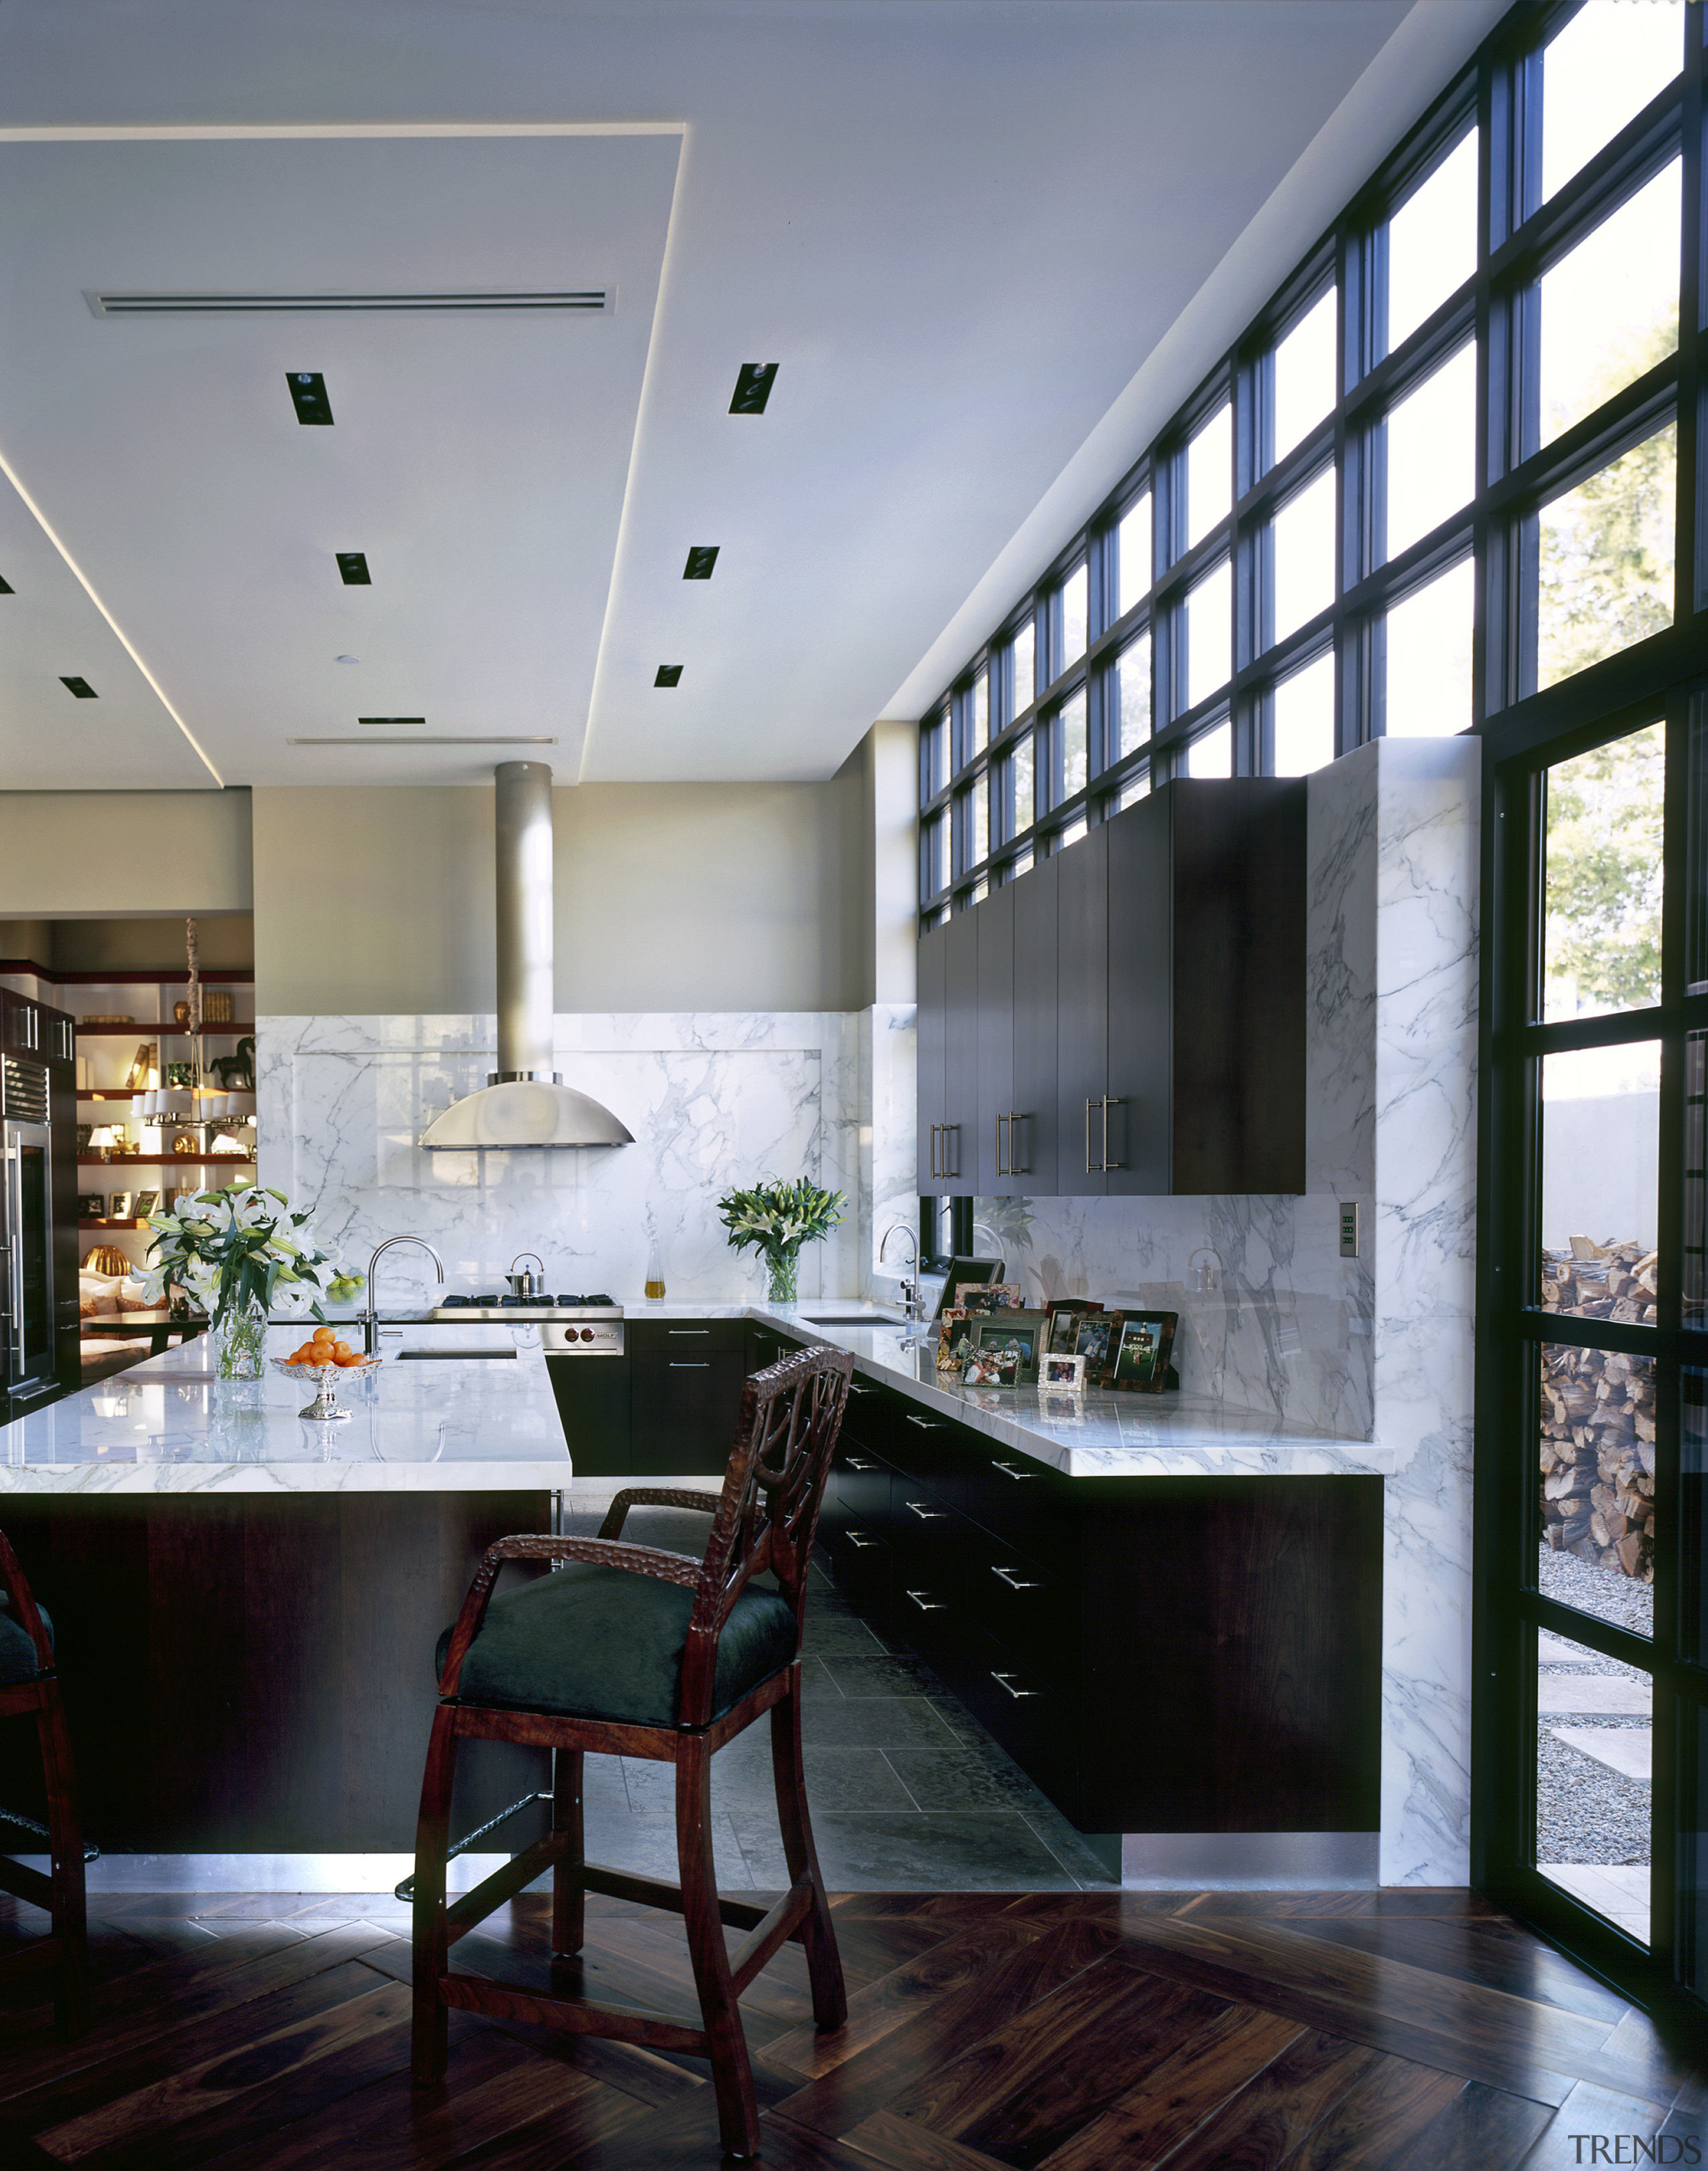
<point>38,1204</point>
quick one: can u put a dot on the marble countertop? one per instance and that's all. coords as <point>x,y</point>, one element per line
<point>167,1425</point>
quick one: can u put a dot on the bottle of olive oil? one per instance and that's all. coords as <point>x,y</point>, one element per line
<point>655,1271</point>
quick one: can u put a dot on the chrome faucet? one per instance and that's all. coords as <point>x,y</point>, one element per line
<point>369,1325</point>
<point>911,1303</point>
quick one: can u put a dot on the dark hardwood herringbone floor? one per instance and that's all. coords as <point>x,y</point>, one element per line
<point>1047,2032</point>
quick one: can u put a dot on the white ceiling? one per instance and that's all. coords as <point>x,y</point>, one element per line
<point>980,237</point>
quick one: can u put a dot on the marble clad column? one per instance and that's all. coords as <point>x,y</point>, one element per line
<point>1424,1257</point>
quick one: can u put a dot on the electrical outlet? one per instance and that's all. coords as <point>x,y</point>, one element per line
<point>1349,1230</point>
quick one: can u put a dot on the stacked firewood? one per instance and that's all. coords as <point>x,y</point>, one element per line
<point>1598,1413</point>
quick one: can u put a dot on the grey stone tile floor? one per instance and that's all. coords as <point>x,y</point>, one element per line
<point>908,1791</point>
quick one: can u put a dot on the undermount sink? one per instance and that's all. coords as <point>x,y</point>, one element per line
<point>458,1355</point>
<point>864,1316</point>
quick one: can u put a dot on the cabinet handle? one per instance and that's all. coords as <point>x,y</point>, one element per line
<point>926,1603</point>
<point>1013,1582</point>
<point>935,1128</point>
<point>926,1424</point>
<point>1088,1136</point>
<point>860,1542</point>
<point>1006,1681</point>
<point>854,1390</point>
<point>1000,1169</point>
<point>1013,1168</point>
<point>682,1364</point>
<point>925,1514</point>
<point>1019,1476</point>
<point>676,1331</point>
<point>854,1463</point>
<point>1111,1101</point>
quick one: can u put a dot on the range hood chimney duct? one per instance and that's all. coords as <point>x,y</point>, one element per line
<point>524,1101</point>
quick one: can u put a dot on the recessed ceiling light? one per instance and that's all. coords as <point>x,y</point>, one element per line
<point>352,569</point>
<point>753,385</point>
<point>669,675</point>
<point>347,659</point>
<point>700,560</point>
<point>309,395</point>
<point>578,300</point>
<point>80,688</point>
<point>391,720</point>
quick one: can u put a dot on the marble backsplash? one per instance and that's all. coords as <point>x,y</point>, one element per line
<point>712,1101</point>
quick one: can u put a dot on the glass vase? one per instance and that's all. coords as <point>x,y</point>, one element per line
<point>240,1341</point>
<point>784,1266</point>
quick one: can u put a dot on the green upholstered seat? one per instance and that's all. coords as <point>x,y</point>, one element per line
<point>603,1643</point>
<point>17,1652</point>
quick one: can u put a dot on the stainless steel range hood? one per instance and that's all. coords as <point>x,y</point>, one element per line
<point>524,1102</point>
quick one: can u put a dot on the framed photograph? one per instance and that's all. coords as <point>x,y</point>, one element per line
<point>85,1132</point>
<point>953,1339</point>
<point>1136,1360</point>
<point>1065,1314</point>
<point>92,1206</point>
<point>1066,1375</point>
<point>1091,1340</point>
<point>979,1297</point>
<point>1005,1349</point>
<point>120,1207</point>
<point>145,1204</point>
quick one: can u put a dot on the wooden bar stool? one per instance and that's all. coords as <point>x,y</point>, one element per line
<point>630,1651</point>
<point>29,1686</point>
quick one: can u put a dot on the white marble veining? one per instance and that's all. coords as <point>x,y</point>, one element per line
<point>167,1426</point>
<point>714,1100</point>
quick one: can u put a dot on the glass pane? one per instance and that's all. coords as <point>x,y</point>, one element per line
<point>1132,553</point>
<point>1070,835</point>
<point>935,840</point>
<point>1610,310</point>
<point>1592,1753</point>
<point>1021,864</point>
<point>1070,723</point>
<point>1601,942</point>
<point>1601,1129</point>
<point>978,824</point>
<point>1599,73</point>
<point>1431,451</point>
<point>934,757</point>
<point>1130,695</point>
<point>1305,718</point>
<point>1209,624</point>
<point>1212,754</point>
<point>978,731</point>
<point>1304,374</point>
<point>1210,475</point>
<point>1605,561</point>
<point>1075,592</point>
<point>1429,635</point>
<point>1135,789</point>
<point>1433,242</point>
<point>1305,554</point>
<point>1021,650</point>
<point>1020,775</point>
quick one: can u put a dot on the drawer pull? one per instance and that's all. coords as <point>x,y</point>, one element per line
<point>853,1389</point>
<point>1006,1681</point>
<point>673,1332</point>
<point>926,1603</point>
<point>927,1424</point>
<point>685,1364</point>
<point>1019,1476</point>
<point>926,1515</point>
<point>1014,1582</point>
<point>860,1542</point>
<point>854,1462</point>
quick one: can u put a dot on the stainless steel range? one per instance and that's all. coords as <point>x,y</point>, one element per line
<point>570,1325</point>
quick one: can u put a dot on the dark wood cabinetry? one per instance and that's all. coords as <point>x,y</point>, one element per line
<point>668,1408</point>
<point>1160,1654</point>
<point>1129,1018</point>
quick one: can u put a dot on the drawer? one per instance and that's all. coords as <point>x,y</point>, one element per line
<point>934,1451</point>
<point>1035,1615</point>
<point>927,1610</point>
<point>860,1560</point>
<point>1021,1502</point>
<point>922,1522</point>
<point>862,1483</point>
<point>686,1409</point>
<point>1038,1727</point>
<point>689,1337</point>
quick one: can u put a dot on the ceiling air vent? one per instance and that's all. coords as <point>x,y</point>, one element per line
<point>391,720</point>
<point>575,300</point>
<point>6,587</point>
<point>80,688</point>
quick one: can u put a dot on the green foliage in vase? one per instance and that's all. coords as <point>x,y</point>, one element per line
<point>778,1218</point>
<point>231,1248</point>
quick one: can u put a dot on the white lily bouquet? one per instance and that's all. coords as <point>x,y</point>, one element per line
<point>778,1218</point>
<point>234,1250</point>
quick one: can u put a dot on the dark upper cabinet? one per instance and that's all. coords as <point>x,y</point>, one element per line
<point>948,1056</point>
<point>1133,1010</point>
<point>993,1026</point>
<point>1033,1130</point>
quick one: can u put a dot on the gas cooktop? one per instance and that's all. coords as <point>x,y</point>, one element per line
<point>515,1307</point>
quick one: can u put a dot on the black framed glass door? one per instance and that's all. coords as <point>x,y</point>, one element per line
<point>1592,1385</point>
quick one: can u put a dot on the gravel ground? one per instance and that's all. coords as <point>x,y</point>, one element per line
<point>1585,1813</point>
<point>1620,1599</point>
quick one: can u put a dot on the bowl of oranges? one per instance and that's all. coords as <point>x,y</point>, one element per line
<point>321,1358</point>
